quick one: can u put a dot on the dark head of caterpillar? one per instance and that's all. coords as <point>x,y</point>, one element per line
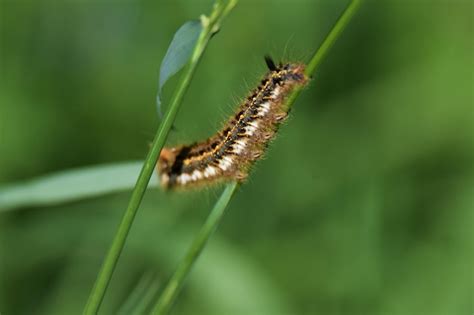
<point>229,154</point>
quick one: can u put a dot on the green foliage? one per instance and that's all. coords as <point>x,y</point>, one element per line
<point>178,53</point>
<point>72,185</point>
<point>364,204</point>
<point>173,287</point>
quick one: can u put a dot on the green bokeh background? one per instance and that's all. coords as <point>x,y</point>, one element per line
<point>363,205</point>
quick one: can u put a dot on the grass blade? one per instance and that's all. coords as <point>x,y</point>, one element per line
<point>145,285</point>
<point>71,185</point>
<point>146,300</point>
<point>333,35</point>
<point>174,285</point>
<point>326,45</point>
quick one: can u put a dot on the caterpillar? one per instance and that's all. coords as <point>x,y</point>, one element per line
<point>229,154</point>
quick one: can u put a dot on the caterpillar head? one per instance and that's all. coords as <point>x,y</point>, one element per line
<point>165,164</point>
<point>294,72</point>
<point>287,71</point>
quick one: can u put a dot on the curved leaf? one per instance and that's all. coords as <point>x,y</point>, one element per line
<point>178,54</point>
<point>72,185</point>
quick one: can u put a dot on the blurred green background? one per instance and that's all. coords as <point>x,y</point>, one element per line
<point>363,205</point>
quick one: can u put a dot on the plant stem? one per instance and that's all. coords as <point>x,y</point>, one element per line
<point>172,288</point>
<point>332,36</point>
<point>134,300</point>
<point>210,27</point>
<point>323,50</point>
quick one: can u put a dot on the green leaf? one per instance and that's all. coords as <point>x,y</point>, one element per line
<point>178,54</point>
<point>71,185</point>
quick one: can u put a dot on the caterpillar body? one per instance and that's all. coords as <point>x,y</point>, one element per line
<point>229,154</point>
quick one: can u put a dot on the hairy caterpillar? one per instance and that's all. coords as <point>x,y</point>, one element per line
<point>229,154</point>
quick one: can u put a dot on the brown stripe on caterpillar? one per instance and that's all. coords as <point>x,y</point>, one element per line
<point>229,154</point>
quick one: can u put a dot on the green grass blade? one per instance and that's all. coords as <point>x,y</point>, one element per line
<point>211,26</point>
<point>145,285</point>
<point>333,35</point>
<point>174,285</point>
<point>71,185</point>
<point>326,45</point>
<point>146,300</point>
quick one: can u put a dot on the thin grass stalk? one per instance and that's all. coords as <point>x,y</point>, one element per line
<point>325,46</point>
<point>174,285</point>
